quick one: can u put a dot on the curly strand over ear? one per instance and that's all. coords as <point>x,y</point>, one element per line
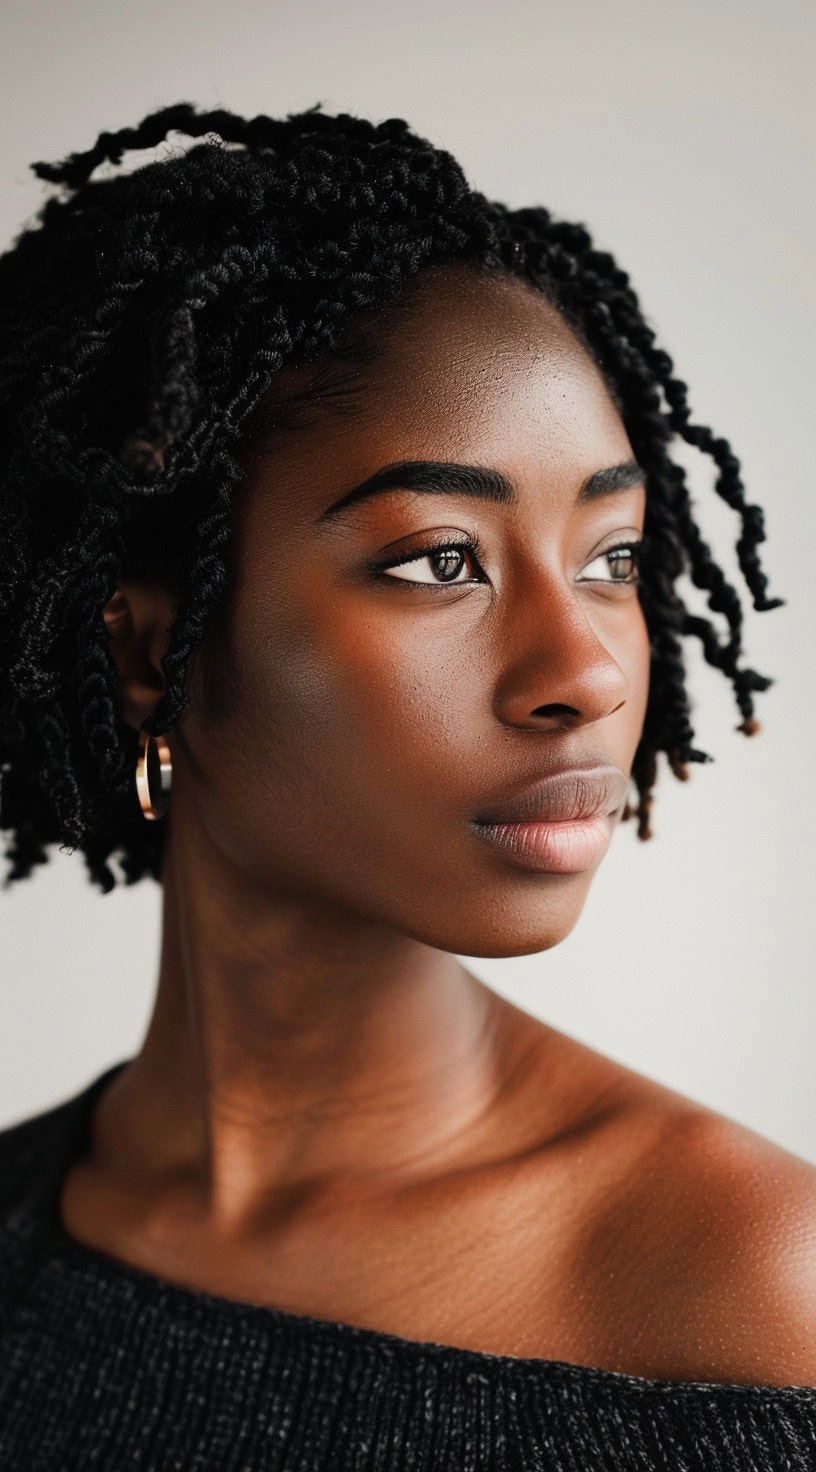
<point>144,315</point>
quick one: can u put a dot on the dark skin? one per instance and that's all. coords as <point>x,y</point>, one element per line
<point>329,1113</point>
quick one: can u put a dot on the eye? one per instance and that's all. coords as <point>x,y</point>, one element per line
<point>444,563</point>
<point>623,560</point>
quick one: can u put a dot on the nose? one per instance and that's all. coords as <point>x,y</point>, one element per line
<point>559,671</point>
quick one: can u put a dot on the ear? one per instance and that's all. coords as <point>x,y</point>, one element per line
<point>138,619</point>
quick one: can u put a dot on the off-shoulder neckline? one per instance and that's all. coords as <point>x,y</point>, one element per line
<point>73,1117</point>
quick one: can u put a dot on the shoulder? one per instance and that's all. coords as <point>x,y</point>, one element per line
<point>671,1242</point>
<point>709,1240</point>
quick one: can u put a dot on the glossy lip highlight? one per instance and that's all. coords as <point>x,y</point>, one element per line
<point>560,824</point>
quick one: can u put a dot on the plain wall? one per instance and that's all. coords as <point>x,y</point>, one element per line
<point>682,135</point>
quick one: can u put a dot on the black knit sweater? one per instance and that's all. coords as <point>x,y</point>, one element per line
<point>106,1367</point>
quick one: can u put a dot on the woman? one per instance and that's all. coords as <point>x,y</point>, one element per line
<point>341,537</point>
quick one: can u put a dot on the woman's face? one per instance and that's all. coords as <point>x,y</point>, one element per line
<point>356,721</point>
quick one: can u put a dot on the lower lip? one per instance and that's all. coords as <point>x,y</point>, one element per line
<point>551,848</point>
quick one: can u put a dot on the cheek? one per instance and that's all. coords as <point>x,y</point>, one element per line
<point>399,701</point>
<point>391,674</point>
<point>345,727</point>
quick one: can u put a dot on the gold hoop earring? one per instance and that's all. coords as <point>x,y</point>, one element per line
<point>154,768</point>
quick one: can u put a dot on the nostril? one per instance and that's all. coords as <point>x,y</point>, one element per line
<point>555,710</point>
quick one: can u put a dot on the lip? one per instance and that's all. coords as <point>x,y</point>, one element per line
<point>560,824</point>
<point>551,848</point>
<point>569,795</point>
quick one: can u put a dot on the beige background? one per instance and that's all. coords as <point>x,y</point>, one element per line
<point>683,136</point>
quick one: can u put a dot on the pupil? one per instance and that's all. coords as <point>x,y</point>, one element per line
<point>623,561</point>
<point>451,560</point>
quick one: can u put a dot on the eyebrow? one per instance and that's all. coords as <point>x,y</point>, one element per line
<point>480,482</point>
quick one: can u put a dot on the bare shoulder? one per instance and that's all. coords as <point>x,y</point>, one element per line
<point>706,1244</point>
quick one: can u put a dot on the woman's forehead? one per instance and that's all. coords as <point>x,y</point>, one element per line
<point>473,366</point>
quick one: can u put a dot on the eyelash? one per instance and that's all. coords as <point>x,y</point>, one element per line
<point>467,544</point>
<point>473,547</point>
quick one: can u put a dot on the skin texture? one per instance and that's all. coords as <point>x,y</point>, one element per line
<point>329,1113</point>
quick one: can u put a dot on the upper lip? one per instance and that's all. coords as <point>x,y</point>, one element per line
<point>571,793</point>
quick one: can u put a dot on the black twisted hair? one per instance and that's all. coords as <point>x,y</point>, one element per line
<point>145,314</point>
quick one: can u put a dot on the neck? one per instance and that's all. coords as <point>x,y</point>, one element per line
<point>295,1046</point>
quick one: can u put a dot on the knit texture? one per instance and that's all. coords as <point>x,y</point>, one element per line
<point>106,1367</point>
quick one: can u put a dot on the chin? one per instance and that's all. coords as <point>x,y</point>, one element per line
<point>529,943</point>
<point>499,924</point>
